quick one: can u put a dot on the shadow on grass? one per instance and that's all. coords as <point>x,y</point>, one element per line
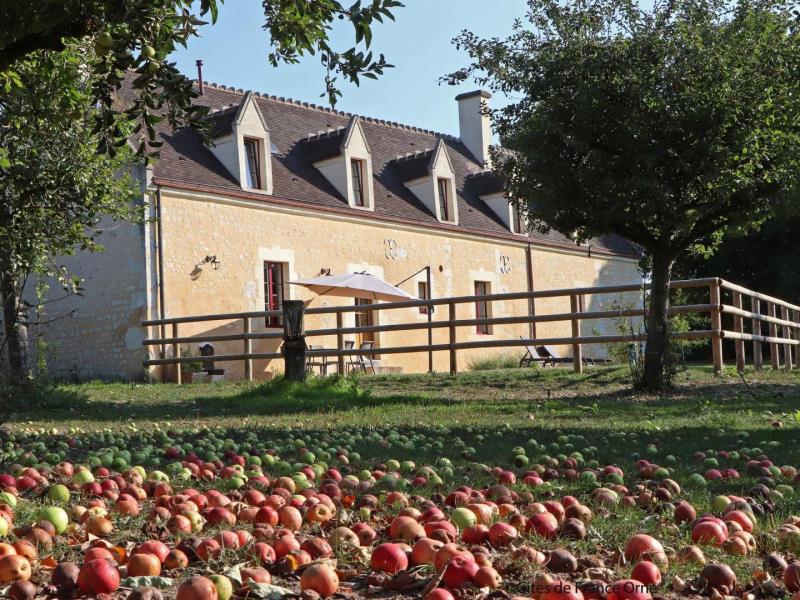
<point>156,402</point>
<point>599,392</point>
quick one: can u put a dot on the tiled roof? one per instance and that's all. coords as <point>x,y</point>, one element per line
<point>303,133</point>
<point>413,165</point>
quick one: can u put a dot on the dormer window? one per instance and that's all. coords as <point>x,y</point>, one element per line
<point>343,157</point>
<point>241,142</point>
<point>357,173</point>
<point>518,220</point>
<point>445,208</point>
<point>430,176</point>
<point>253,170</point>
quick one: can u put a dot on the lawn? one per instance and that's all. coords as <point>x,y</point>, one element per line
<point>453,428</point>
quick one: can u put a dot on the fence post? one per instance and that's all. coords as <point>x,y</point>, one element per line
<point>758,359</point>
<point>339,342</point>
<point>716,326</point>
<point>738,327</point>
<point>294,340</point>
<point>773,333</point>
<point>248,349</point>
<point>452,329</point>
<point>787,333</point>
<point>577,351</point>
<point>176,353</point>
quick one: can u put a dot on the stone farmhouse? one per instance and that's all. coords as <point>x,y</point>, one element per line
<point>290,190</point>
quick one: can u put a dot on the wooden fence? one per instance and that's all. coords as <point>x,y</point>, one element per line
<point>780,319</point>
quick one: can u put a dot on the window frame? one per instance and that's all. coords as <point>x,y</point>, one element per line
<point>423,293</point>
<point>274,322</point>
<point>357,173</point>
<point>483,309</point>
<point>445,205</point>
<point>517,220</point>
<point>255,145</point>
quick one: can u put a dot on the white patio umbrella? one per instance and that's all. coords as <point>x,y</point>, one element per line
<point>355,285</point>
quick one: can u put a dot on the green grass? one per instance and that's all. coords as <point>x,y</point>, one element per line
<point>597,399</point>
<point>493,363</point>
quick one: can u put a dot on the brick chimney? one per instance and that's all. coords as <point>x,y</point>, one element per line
<point>200,86</point>
<point>475,125</point>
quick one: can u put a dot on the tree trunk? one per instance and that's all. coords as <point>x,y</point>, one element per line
<point>655,355</point>
<point>16,331</point>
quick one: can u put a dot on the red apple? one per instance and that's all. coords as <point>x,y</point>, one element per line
<point>459,570</point>
<point>98,576</point>
<point>389,558</point>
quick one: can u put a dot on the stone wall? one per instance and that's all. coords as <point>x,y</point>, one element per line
<point>98,334</point>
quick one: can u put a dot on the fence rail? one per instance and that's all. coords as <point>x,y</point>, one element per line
<point>781,319</point>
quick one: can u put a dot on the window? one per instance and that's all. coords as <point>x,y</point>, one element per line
<point>518,220</point>
<point>253,171</point>
<point>423,294</point>
<point>357,173</point>
<point>273,292</point>
<point>482,308</point>
<point>444,200</point>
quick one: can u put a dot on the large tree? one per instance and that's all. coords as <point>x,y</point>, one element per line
<point>55,187</point>
<point>139,35</point>
<point>64,135</point>
<point>671,125</point>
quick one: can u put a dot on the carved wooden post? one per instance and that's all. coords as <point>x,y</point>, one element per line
<point>453,360</point>
<point>294,340</point>
<point>738,327</point>
<point>577,351</point>
<point>176,352</point>
<point>773,333</point>
<point>248,349</point>
<point>787,333</point>
<point>339,343</point>
<point>716,327</point>
<point>758,359</point>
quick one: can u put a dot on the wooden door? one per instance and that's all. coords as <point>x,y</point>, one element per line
<point>365,319</point>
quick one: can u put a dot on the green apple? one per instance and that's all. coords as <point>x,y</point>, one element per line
<point>57,516</point>
<point>82,476</point>
<point>223,585</point>
<point>196,519</point>
<point>720,503</point>
<point>58,493</point>
<point>463,517</point>
<point>696,481</point>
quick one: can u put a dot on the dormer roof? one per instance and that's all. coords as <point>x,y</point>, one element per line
<point>416,165</point>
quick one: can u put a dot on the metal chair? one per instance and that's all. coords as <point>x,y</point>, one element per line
<point>319,362</point>
<point>360,361</point>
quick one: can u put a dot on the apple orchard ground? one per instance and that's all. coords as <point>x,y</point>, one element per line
<point>473,418</point>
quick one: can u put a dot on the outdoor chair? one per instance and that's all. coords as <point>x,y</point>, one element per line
<point>553,357</point>
<point>531,356</point>
<point>358,360</point>
<point>320,362</point>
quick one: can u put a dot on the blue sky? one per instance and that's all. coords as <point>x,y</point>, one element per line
<point>418,43</point>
